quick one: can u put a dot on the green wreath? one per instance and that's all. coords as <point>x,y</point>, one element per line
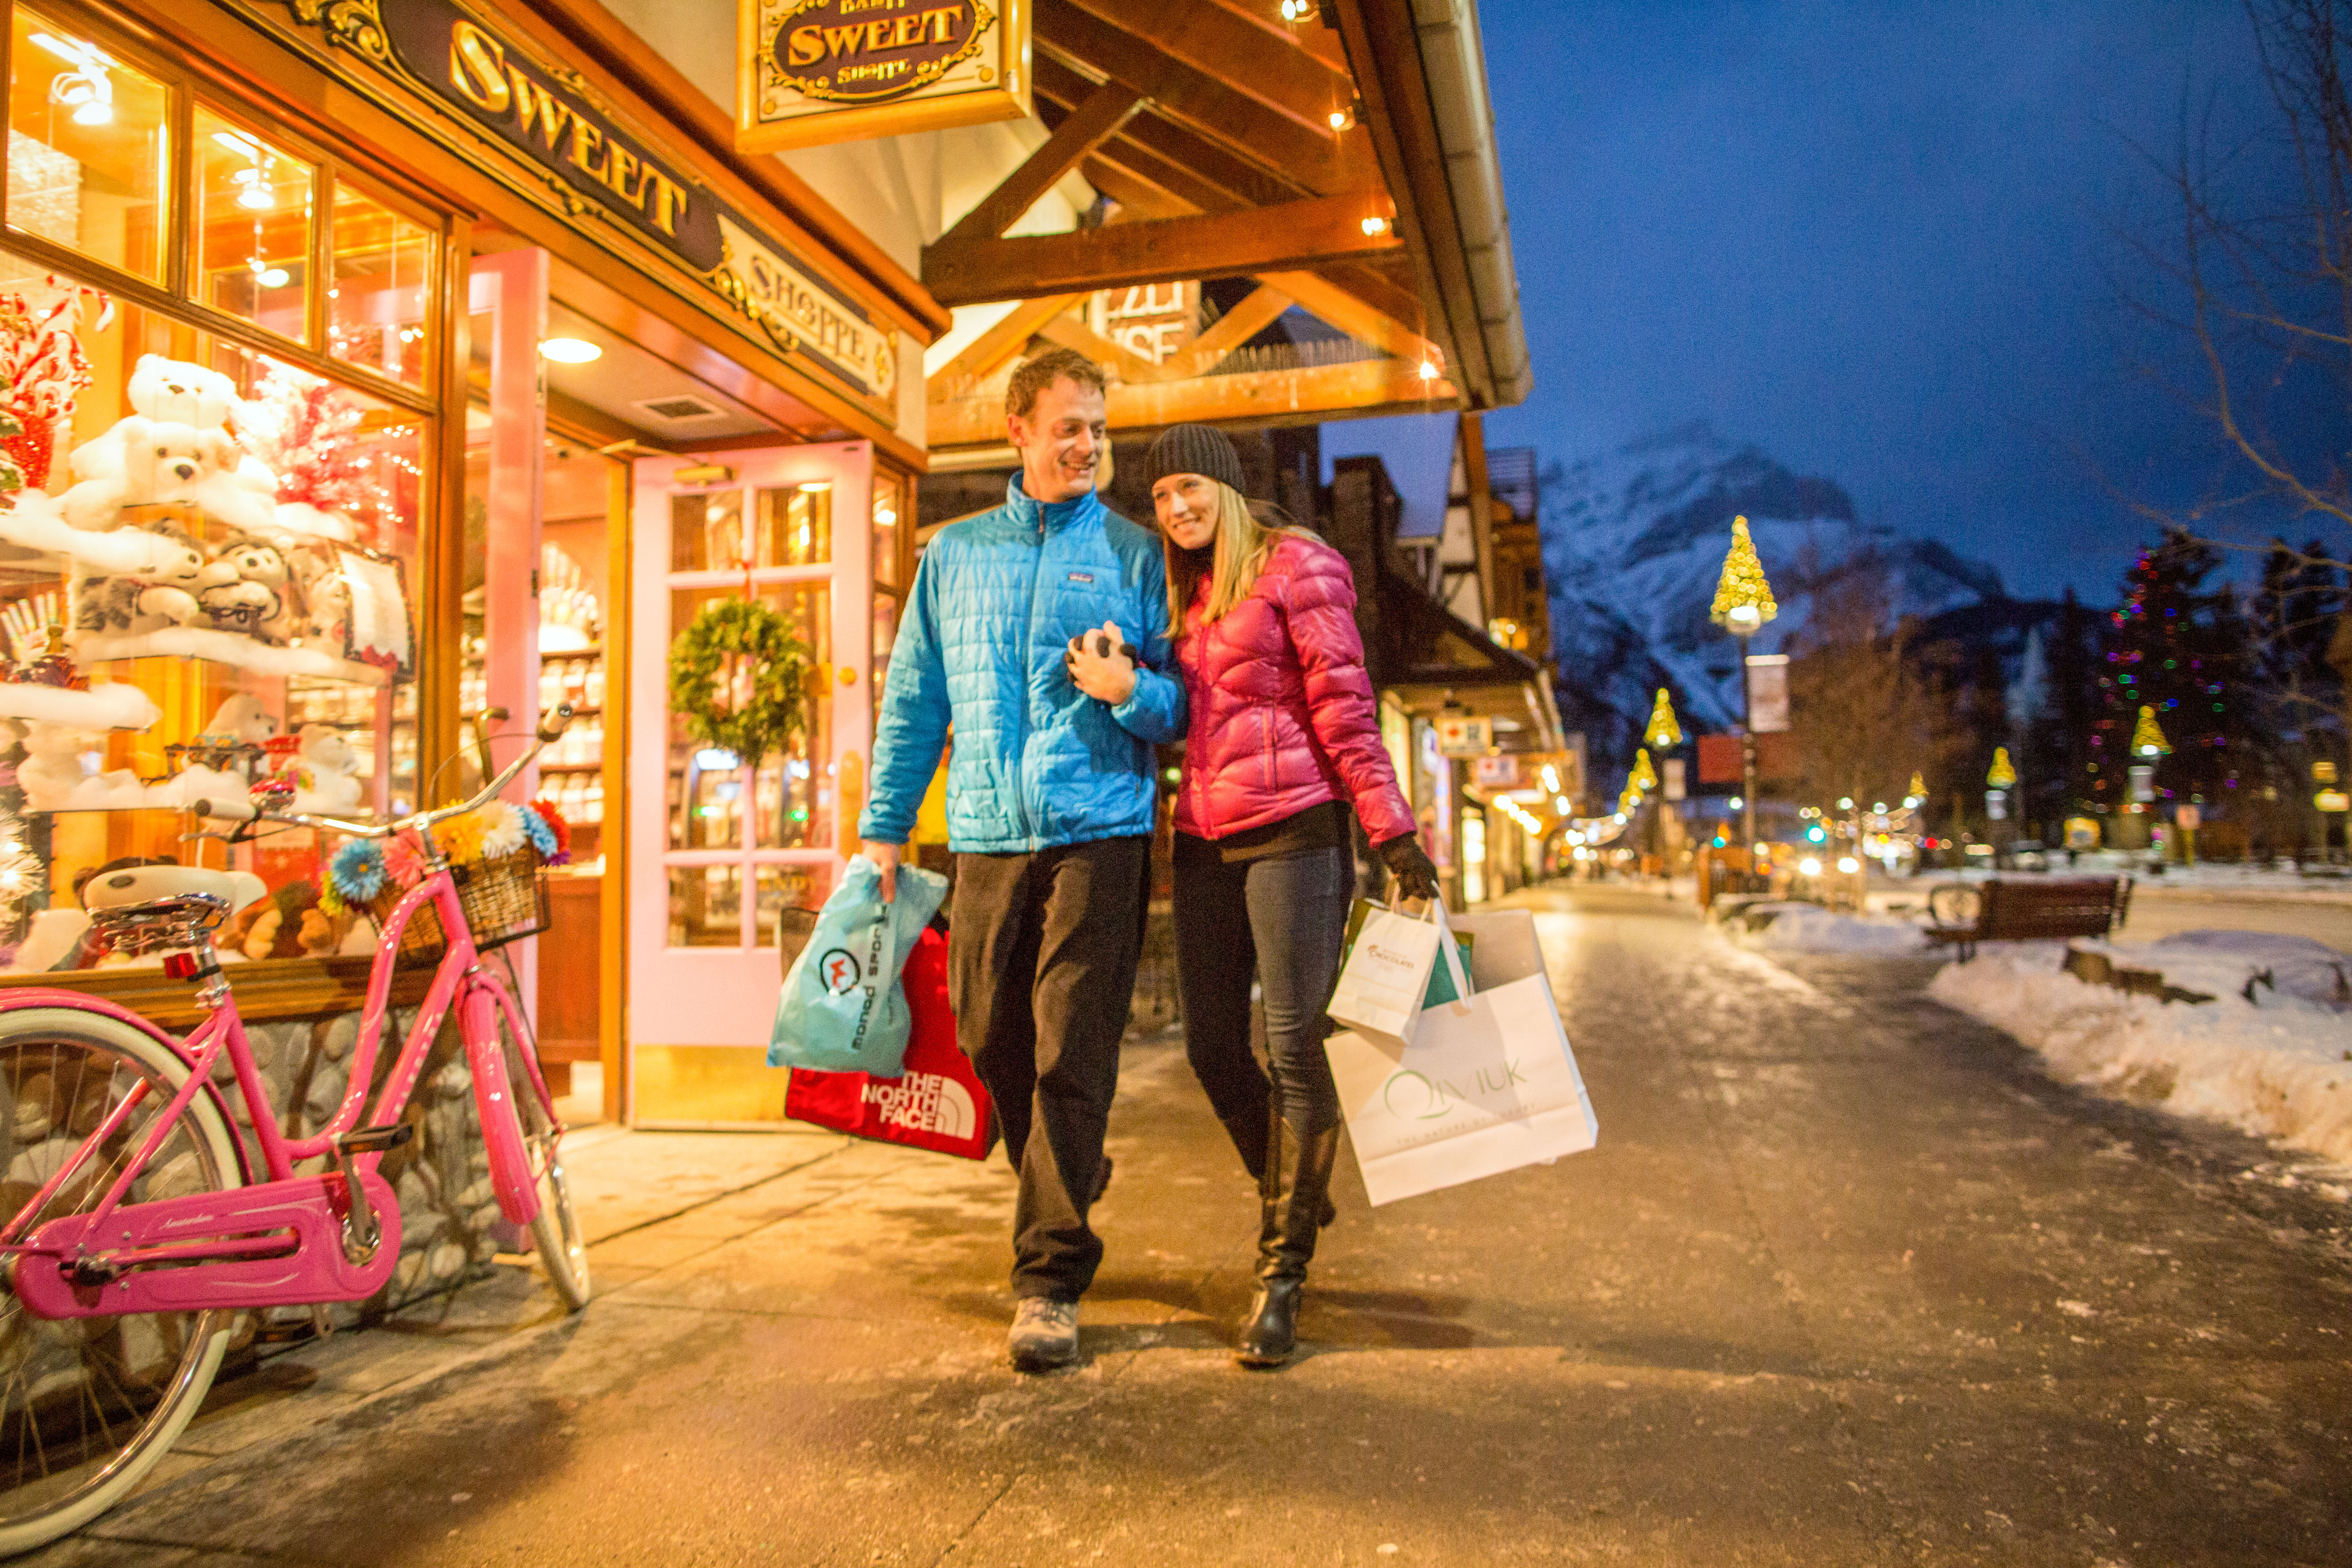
<point>739,677</point>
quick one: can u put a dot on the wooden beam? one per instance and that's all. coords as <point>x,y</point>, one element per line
<point>989,353</point>
<point>1262,62</point>
<point>1204,103</point>
<point>1352,316</point>
<point>1256,311</point>
<point>1320,41</point>
<point>1073,333</point>
<point>1217,177</point>
<point>1386,284</point>
<point>1260,399</point>
<point>1138,197</point>
<point>1223,245</point>
<point>1087,127</point>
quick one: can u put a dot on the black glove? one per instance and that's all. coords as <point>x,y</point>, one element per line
<point>1415,873</point>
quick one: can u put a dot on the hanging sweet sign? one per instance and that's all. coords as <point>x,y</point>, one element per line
<point>812,71</point>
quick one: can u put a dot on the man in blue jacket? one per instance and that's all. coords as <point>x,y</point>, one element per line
<point>1050,800</point>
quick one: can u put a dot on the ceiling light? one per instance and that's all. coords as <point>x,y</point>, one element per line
<point>1339,120</point>
<point>816,487</point>
<point>1429,370</point>
<point>1376,224</point>
<point>569,351</point>
<point>94,111</point>
<point>268,276</point>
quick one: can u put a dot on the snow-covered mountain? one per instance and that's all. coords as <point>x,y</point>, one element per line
<point>1634,540</point>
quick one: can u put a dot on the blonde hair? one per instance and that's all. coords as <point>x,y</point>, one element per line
<point>1238,554</point>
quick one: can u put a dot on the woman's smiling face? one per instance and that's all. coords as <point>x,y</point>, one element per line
<point>1186,505</point>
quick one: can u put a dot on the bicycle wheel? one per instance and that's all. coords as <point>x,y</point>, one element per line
<point>555,1230</point>
<point>88,1406</point>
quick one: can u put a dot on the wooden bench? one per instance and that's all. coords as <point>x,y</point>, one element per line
<point>2044,909</point>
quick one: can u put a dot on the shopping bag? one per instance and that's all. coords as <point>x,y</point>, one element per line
<point>842,1009</point>
<point>936,1103</point>
<point>1487,1084</point>
<point>1385,976</point>
<point>1441,979</point>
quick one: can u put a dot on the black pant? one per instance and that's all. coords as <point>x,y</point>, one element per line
<point>1042,952</point>
<point>1282,920</point>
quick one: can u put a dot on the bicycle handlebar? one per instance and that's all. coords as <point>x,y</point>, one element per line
<point>550,728</point>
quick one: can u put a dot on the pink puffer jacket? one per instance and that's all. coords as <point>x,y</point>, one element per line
<point>1282,711</point>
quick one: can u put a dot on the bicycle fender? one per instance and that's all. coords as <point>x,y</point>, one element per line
<point>14,1001</point>
<point>510,1177</point>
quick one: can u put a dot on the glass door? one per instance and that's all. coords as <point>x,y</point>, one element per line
<point>731,855</point>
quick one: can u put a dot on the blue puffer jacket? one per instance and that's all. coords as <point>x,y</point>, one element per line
<point>1037,762</point>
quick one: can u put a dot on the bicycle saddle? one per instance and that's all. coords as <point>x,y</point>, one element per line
<point>151,884</point>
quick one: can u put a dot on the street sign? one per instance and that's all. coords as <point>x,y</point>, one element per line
<point>1767,693</point>
<point>1460,735</point>
<point>1499,772</point>
<point>2189,816</point>
<point>2322,771</point>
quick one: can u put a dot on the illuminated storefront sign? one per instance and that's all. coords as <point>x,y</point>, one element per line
<point>565,148</point>
<point>812,71</point>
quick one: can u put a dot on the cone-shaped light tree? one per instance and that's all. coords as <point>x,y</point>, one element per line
<point>2148,738</point>
<point>2002,774</point>
<point>1644,776</point>
<point>1743,603</point>
<point>1664,731</point>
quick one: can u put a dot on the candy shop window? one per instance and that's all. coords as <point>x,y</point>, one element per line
<point>253,224</point>
<point>207,570</point>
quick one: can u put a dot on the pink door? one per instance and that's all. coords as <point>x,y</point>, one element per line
<point>728,852</point>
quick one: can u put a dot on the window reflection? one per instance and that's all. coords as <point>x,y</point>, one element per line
<point>253,220</point>
<point>87,145</point>
<point>375,300</point>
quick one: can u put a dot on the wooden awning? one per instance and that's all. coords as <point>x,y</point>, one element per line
<point>1228,144</point>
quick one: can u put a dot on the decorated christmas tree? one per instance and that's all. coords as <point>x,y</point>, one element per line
<point>313,436</point>
<point>2173,666</point>
<point>2003,772</point>
<point>1644,777</point>
<point>1664,732</point>
<point>1742,588</point>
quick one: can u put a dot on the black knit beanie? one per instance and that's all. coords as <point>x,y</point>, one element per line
<point>1194,449</point>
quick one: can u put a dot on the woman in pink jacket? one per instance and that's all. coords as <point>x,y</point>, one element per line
<point>1283,739</point>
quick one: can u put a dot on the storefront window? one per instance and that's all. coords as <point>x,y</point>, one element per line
<point>795,526</point>
<point>253,225</point>
<point>890,506</point>
<point>375,300</point>
<point>87,147</point>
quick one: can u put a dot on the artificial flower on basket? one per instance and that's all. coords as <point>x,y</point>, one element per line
<point>497,851</point>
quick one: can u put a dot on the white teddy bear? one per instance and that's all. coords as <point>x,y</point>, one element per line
<point>155,461</point>
<point>254,594</point>
<point>329,771</point>
<point>238,489</point>
<point>170,594</point>
<point>53,767</point>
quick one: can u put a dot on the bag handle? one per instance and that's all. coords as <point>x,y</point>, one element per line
<point>1452,952</point>
<point>887,964</point>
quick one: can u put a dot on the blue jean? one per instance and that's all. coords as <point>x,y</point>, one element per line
<point>1281,921</point>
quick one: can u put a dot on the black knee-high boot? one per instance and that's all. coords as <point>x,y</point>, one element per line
<point>1296,1193</point>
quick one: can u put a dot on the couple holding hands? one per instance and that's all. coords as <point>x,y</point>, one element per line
<point>1062,643</point>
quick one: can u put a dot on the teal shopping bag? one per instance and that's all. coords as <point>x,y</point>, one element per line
<point>842,1010</point>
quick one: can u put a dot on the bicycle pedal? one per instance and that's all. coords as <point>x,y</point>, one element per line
<point>375,1140</point>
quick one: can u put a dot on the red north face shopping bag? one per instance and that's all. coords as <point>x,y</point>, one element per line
<point>937,1104</point>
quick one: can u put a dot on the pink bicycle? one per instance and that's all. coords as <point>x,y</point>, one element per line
<point>137,1221</point>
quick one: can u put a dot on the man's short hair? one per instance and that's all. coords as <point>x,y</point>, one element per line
<point>1034,375</point>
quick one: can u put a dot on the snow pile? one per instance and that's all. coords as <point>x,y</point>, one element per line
<point>2278,1067</point>
<point>1781,927</point>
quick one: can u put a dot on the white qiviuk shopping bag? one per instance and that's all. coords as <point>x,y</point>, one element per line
<point>1386,974</point>
<point>1485,1084</point>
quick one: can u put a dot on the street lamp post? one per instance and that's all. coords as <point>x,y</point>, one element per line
<point>1743,603</point>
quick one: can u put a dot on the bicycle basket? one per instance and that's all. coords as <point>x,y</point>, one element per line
<point>505,898</point>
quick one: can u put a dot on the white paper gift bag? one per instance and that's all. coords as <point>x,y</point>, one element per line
<point>1387,971</point>
<point>1485,1084</point>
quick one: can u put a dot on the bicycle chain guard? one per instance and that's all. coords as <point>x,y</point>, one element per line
<point>278,1244</point>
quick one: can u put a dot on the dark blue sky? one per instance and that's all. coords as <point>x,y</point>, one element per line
<point>1877,242</point>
